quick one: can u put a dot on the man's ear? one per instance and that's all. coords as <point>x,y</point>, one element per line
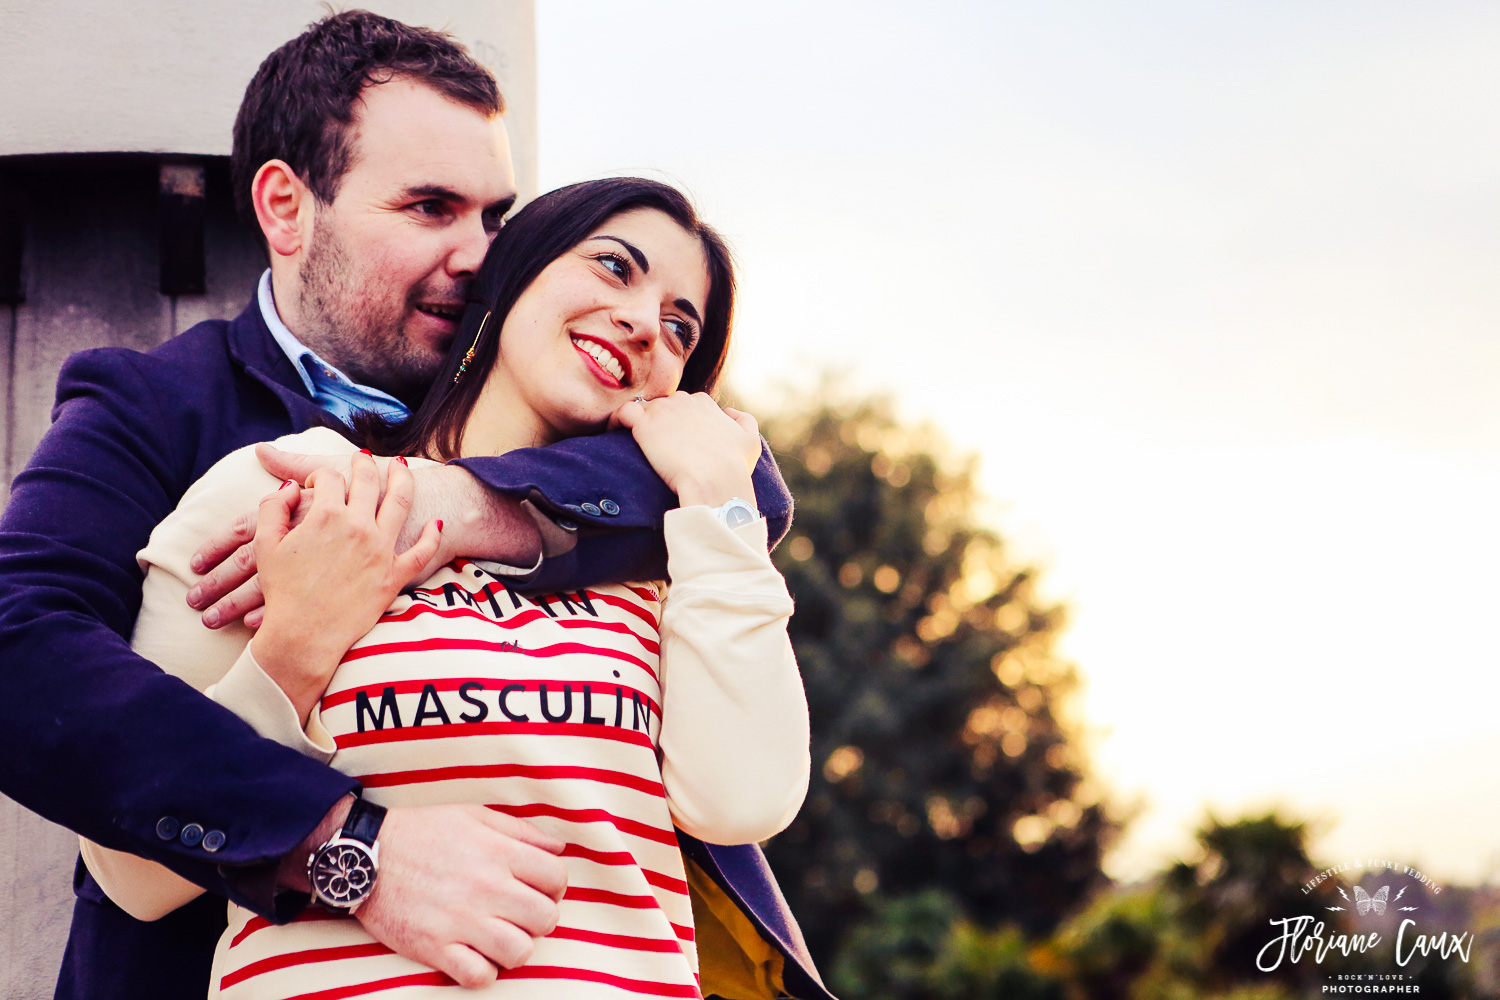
<point>283,207</point>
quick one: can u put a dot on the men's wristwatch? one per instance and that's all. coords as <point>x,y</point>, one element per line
<point>737,513</point>
<point>342,871</point>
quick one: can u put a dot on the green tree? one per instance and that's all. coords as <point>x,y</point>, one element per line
<point>941,758</point>
<point>917,947</point>
<point>1194,930</point>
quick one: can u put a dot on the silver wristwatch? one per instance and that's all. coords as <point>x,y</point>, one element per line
<point>737,513</point>
<point>342,871</point>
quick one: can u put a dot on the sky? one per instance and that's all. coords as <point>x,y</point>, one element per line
<point>1211,291</point>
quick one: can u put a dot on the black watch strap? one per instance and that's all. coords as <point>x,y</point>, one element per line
<point>363,822</point>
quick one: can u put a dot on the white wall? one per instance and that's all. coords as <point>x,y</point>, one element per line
<point>85,76</point>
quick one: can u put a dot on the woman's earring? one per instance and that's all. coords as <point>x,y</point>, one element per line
<point>469,356</point>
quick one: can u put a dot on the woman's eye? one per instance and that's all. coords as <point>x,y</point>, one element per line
<point>684,333</point>
<point>615,264</point>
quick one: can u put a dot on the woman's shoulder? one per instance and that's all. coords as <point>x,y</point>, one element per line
<point>232,486</point>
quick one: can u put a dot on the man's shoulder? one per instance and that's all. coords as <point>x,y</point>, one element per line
<point>201,360</point>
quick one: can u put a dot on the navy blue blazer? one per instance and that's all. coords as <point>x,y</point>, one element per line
<point>98,739</point>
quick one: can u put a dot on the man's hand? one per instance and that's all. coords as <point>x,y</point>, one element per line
<point>462,889</point>
<point>230,589</point>
<point>476,522</point>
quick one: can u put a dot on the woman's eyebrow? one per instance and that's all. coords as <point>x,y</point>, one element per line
<point>645,266</point>
<point>640,258</point>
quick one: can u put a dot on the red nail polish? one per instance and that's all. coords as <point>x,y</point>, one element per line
<point>401,459</point>
<point>364,451</point>
<point>286,484</point>
<point>440,525</point>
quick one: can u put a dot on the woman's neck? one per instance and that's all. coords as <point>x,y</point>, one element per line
<point>501,422</point>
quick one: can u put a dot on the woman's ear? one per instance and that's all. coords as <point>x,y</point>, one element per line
<point>283,207</point>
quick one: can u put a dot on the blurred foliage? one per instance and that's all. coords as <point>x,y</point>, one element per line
<point>1196,929</point>
<point>950,845</point>
<point>915,946</point>
<point>941,758</point>
<point>1192,932</point>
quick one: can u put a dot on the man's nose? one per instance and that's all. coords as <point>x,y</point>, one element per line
<point>471,243</point>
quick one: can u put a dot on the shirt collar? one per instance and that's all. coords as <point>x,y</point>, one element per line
<point>321,378</point>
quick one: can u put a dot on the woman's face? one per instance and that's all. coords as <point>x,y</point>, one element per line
<point>614,318</point>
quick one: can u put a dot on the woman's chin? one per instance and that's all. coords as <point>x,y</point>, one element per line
<point>579,424</point>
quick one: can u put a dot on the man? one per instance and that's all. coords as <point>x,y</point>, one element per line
<point>372,158</point>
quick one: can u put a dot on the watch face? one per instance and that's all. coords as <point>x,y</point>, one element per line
<point>343,874</point>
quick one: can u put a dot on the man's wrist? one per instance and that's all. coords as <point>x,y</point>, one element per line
<point>478,521</point>
<point>291,873</point>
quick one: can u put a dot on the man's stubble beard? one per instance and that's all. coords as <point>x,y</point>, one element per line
<point>340,311</point>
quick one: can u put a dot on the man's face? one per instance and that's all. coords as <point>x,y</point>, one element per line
<point>381,285</point>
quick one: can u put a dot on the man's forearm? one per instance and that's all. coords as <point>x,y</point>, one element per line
<point>603,488</point>
<point>477,521</point>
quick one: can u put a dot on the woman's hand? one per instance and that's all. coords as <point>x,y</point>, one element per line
<point>704,453</point>
<point>329,579</point>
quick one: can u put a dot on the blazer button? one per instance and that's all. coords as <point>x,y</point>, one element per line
<point>609,507</point>
<point>191,834</point>
<point>167,827</point>
<point>589,508</point>
<point>566,525</point>
<point>213,840</point>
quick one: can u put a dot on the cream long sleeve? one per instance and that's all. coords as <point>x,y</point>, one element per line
<point>734,735</point>
<point>734,732</point>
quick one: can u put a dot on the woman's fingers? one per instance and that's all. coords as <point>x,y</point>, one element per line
<point>748,423</point>
<point>627,416</point>
<point>331,489</point>
<point>400,488</point>
<point>411,565</point>
<point>704,453</point>
<point>275,516</point>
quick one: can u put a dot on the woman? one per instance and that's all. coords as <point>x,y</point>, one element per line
<point>603,716</point>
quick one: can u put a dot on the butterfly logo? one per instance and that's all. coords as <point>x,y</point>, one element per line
<point>1364,902</point>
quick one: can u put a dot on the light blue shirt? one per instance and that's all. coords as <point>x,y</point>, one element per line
<point>330,388</point>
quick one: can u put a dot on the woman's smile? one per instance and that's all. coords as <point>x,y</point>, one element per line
<point>606,363</point>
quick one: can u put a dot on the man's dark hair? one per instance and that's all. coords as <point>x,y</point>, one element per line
<point>301,102</point>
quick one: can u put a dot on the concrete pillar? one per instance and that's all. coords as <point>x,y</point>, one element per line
<point>100,98</point>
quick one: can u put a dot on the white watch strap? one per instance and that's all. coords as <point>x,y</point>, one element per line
<point>737,513</point>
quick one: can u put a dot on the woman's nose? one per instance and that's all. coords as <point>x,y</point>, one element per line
<point>638,317</point>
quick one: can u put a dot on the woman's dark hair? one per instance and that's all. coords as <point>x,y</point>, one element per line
<point>540,233</point>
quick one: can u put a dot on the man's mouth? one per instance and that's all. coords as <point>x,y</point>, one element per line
<point>606,359</point>
<point>452,313</point>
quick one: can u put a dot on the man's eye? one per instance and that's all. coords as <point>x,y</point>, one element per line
<point>493,222</point>
<point>615,264</point>
<point>431,207</point>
